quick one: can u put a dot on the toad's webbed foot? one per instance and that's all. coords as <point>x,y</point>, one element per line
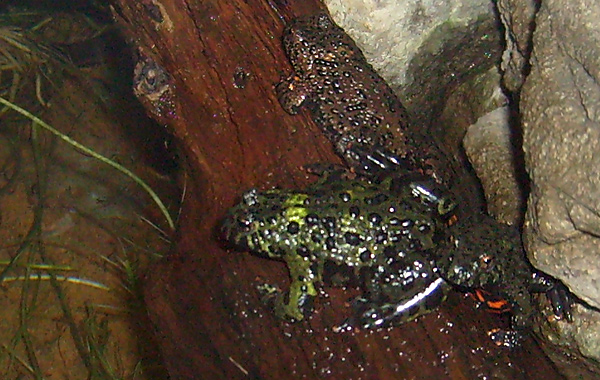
<point>557,293</point>
<point>376,160</point>
<point>368,315</point>
<point>292,94</point>
<point>331,172</point>
<point>286,306</point>
<point>562,301</point>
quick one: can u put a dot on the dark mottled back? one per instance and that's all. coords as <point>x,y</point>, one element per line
<point>347,98</point>
<point>381,233</point>
<point>348,222</point>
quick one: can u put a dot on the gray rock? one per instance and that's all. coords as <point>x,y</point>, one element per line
<point>489,146</point>
<point>518,17</point>
<point>560,108</point>
<point>467,103</point>
<point>422,47</point>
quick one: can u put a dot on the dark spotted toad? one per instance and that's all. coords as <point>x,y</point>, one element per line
<point>397,233</point>
<point>349,101</point>
<point>369,128</point>
<point>383,233</point>
<point>486,255</point>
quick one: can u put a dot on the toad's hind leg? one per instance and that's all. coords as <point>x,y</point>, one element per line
<point>370,315</point>
<point>400,289</point>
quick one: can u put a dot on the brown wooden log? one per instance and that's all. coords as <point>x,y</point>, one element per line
<point>207,70</point>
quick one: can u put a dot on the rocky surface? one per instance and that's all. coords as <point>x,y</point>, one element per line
<point>489,146</point>
<point>560,108</point>
<point>422,47</point>
<point>477,119</point>
<point>560,111</point>
<point>518,18</point>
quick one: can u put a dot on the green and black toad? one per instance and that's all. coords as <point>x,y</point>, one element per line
<point>384,233</point>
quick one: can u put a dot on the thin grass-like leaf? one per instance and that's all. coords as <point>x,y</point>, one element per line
<point>59,278</point>
<point>97,156</point>
<point>19,359</point>
<point>45,267</point>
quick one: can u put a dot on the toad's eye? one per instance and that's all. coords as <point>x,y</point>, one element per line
<point>486,261</point>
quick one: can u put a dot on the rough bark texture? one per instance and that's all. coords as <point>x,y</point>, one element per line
<point>206,69</point>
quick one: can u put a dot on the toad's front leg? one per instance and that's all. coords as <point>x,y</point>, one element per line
<point>292,93</point>
<point>297,303</point>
